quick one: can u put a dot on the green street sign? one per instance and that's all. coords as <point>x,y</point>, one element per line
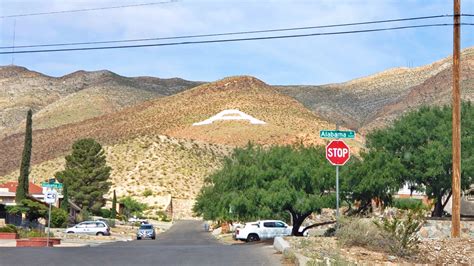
<point>52,185</point>
<point>337,134</point>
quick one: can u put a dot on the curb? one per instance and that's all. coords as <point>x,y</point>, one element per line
<point>284,247</point>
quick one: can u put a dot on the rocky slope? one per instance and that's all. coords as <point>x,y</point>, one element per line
<point>287,121</point>
<point>74,97</point>
<point>374,101</point>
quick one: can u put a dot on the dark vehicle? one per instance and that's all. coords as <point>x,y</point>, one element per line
<point>146,231</point>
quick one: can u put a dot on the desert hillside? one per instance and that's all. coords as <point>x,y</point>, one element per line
<point>163,166</point>
<point>74,97</point>
<point>365,103</point>
<point>287,121</point>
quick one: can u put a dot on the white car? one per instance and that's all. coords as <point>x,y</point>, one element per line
<point>260,230</point>
<point>98,228</point>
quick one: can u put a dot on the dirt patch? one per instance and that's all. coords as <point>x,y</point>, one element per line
<point>433,251</point>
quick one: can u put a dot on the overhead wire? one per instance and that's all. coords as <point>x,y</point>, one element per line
<point>229,33</point>
<point>86,9</point>
<point>231,40</point>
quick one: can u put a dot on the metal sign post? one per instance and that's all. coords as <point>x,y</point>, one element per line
<point>49,225</point>
<point>50,198</point>
<point>337,153</point>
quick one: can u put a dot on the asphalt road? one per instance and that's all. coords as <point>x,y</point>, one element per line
<point>185,243</point>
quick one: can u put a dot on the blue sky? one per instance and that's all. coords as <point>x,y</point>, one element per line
<point>312,60</point>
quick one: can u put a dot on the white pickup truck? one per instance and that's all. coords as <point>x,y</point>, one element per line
<point>260,230</point>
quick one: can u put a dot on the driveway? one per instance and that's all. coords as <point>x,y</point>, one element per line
<point>185,243</point>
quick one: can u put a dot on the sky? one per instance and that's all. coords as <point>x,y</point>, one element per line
<point>311,60</point>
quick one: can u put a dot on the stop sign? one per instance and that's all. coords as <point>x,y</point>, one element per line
<point>337,152</point>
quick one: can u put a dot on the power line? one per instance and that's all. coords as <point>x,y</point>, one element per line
<point>85,9</point>
<point>231,33</point>
<point>231,40</point>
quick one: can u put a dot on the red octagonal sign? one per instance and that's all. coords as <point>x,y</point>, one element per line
<point>337,152</point>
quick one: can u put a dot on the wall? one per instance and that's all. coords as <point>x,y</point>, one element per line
<point>442,229</point>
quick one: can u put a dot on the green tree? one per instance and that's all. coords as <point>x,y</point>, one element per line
<point>86,175</point>
<point>132,207</point>
<point>376,175</point>
<point>33,209</point>
<point>421,142</point>
<point>281,182</point>
<point>113,210</point>
<point>65,201</point>
<point>22,190</point>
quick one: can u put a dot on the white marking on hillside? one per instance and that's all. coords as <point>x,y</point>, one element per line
<point>232,114</point>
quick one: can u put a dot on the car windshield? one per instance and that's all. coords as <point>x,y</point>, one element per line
<point>146,226</point>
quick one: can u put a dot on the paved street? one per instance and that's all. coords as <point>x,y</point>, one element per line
<point>184,243</point>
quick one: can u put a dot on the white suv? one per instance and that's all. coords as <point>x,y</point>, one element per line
<point>90,227</point>
<point>260,230</point>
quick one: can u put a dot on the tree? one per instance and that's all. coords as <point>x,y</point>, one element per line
<point>132,207</point>
<point>113,211</point>
<point>22,190</point>
<point>33,209</point>
<point>421,142</point>
<point>376,175</point>
<point>65,201</point>
<point>281,182</point>
<point>86,175</point>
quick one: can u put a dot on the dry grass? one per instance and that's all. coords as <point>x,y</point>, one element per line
<point>158,164</point>
<point>288,121</point>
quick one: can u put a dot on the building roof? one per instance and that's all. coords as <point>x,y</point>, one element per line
<point>12,185</point>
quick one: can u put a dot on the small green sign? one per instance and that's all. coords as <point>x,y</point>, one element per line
<point>337,134</point>
<point>52,185</point>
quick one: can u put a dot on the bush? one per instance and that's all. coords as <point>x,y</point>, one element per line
<point>148,192</point>
<point>106,213</point>
<point>403,230</point>
<point>25,233</point>
<point>409,204</point>
<point>362,232</point>
<point>84,215</point>
<point>59,218</point>
<point>9,228</point>
<point>133,207</point>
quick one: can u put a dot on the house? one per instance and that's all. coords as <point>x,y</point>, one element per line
<point>7,198</point>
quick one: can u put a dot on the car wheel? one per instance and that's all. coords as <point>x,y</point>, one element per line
<point>70,232</point>
<point>138,238</point>
<point>99,234</point>
<point>153,238</point>
<point>252,237</point>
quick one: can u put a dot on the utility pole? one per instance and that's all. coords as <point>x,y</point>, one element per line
<point>456,182</point>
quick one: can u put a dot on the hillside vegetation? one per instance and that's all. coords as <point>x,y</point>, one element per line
<point>165,166</point>
<point>288,121</point>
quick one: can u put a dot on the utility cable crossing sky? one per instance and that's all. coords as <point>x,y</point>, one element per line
<point>237,39</point>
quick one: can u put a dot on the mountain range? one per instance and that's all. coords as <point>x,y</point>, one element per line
<point>148,125</point>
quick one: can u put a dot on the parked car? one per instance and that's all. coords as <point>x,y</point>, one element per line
<point>260,230</point>
<point>146,231</point>
<point>98,228</point>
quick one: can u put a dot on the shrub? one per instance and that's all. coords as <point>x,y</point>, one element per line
<point>26,233</point>
<point>148,192</point>
<point>9,228</point>
<point>403,230</point>
<point>362,232</point>
<point>409,204</point>
<point>59,217</point>
<point>106,213</point>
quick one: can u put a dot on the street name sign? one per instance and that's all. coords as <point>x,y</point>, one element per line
<point>337,134</point>
<point>52,185</point>
<point>337,152</point>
